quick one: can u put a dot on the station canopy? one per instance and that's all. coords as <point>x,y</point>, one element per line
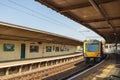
<point>102,16</point>
<point>15,32</point>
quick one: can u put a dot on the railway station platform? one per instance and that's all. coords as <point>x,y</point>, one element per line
<point>34,53</point>
<point>109,70</point>
<point>114,74</point>
<point>24,69</point>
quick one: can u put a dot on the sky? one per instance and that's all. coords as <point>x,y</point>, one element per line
<point>32,14</point>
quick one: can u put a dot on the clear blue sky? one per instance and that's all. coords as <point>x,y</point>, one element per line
<point>30,13</point>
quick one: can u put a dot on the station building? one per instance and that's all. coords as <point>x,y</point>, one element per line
<point>19,43</point>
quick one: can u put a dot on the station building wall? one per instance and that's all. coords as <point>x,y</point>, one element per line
<point>33,54</point>
<point>9,55</point>
<point>11,50</point>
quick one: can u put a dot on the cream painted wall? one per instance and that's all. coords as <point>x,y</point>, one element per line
<point>42,50</point>
<point>16,54</point>
<point>33,54</point>
<point>10,55</point>
<point>53,53</point>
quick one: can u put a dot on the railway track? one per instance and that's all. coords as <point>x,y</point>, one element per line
<point>63,72</point>
<point>66,73</point>
<point>85,70</point>
<point>78,69</point>
<point>97,72</point>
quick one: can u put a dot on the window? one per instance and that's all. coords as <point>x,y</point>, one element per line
<point>48,49</point>
<point>8,47</point>
<point>34,48</point>
<point>92,47</point>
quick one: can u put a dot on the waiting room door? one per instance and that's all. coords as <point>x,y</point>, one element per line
<point>22,51</point>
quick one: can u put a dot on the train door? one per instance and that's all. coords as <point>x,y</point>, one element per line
<point>22,51</point>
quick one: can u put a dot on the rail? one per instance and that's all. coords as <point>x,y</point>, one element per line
<point>111,77</point>
<point>34,68</point>
<point>88,67</point>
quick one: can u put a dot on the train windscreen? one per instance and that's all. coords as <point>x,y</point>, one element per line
<point>92,47</point>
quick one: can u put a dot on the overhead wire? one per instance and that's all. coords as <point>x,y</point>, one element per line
<point>67,26</point>
<point>20,10</point>
<point>48,18</point>
<point>14,8</point>
<point>33,14</point>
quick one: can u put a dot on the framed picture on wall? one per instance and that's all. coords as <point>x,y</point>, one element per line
<point>48,49</point>
<point>8,47</point>
<point>61,48</point>
<point>34,48</point>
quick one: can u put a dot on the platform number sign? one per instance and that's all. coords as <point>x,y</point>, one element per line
<point>8,47</point>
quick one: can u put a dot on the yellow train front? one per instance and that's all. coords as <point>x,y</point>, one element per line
<point>92,51</point>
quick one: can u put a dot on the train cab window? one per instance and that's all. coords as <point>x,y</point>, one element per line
<point>92,47</point>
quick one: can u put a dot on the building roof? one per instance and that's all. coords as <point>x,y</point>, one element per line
<point>15,32</point>
<point>102,16</point>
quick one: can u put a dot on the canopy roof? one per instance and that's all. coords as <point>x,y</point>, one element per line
<point>102,16</point>
<point>15,32</point>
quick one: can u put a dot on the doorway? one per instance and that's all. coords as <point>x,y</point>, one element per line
<point>22,51</point>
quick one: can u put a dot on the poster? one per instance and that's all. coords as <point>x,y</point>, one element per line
<point>8,47</point>
<point>48,48</point>
<point>34,48</point>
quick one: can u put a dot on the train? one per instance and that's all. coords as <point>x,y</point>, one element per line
<point>92,51</point>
